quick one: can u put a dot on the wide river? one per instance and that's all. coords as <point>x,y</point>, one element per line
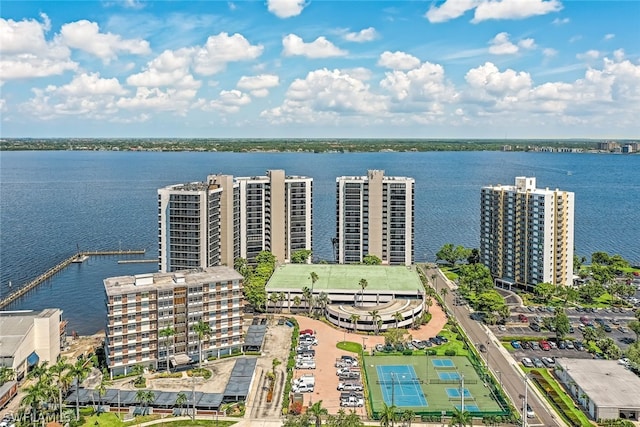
<point>52,203</point>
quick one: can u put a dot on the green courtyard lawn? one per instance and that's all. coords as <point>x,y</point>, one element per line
<point>352,347</point>
<point>109,419</point>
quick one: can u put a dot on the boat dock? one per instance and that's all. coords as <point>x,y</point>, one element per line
<point>137,261</point>
<point>78,257</point>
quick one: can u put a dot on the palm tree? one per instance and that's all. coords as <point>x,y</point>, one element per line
<point>79,370</point>
<point>145,397</point>
<point>297,301</point>
<point>181,399</point>
<point>460,418</point>
<point>101,388</point>
<point>407,417</point>
<point>39,371</point>
<point>307,296</point>
<point>62,378</point>
<point>387,415</point>
<point>374,318</point>
<point>317,411</point>
<point>274,364</point>
<point>281,298</point>
<point>322,301</point>
<point>314,278</point>
<point>433,280</point>
<point>444,292</point>
<point>273,299</point>
<point>354,320</point>
<point>397,316</point>
<point>363,285</point>
<point>35,398</point>
<point>428,302</point>
<point>202,329</point>
<point>167,333</point>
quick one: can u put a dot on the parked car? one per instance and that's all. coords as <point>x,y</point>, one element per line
<point>307,332</point>
<point>526,345</point>
<point>482,348</point>
<point>623,329</point>
<point>562,345</point>
<point>527,363</point>
<point>569,345</point>
<point>350,386</point>
<point>535,327</point>
<point>615,321</point>
<point>502,328</point>
<point>579,346</point>
<point>606,328</point>
<point>544,345</point>
<point>379,347</point>
<point>584,320</point>
<point>548,362</point>
<point>523,318</point>
<point>538,363</point>
<point>516,344</point>
<point>530,413</point>
<point>535,345</point>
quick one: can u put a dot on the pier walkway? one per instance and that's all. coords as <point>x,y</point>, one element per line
<point>58,268</point>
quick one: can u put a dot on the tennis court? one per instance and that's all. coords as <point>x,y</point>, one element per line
<point>449,376</point>
<point>400,386</point>
<point>427,385</point>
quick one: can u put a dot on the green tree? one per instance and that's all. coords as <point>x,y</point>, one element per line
<point>181,400</point>
<point>36,399</point>
<point>354,320</point>
<point>387,415</point>
<point>600,258</point>
<point>363,285</point>
<point>145,398</point>
<point>474,256</point>
<point>101,388</point>
<point>242,266</point>
<point>397,316</point>
<point>407,416</point>
<point>274,364</point>
<point>317,411</point>
<point>476,277</point>
<point>300,256</point>
<point>561,323</point>
<point>202,329</point>
<point>371,260</point>
<point>375,315</point>
<point>342,419</point>
<point>307,296</point>
<point>589,292</point>
<point>167,333</point>
<point>544,291</point>
<point>460,418</point>
<point>297,301</point>
<point>314,278</point>
<point>62,379</point>
<point>447,253</point>
<point>634,325</point>
<point>6,374</point>
<point>79,371</point>
<point>322,301</point>
<point>392,336</point>
<point>302,420</point>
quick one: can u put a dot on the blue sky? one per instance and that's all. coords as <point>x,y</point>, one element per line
<point>320,69</point>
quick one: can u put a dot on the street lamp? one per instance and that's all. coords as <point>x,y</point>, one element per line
<point>499,378</point>
<point>524,406</point>
<point>364,346</point>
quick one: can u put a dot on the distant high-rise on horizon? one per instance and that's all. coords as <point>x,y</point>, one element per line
<point>205,224</point>
<point>375,216</point>
<point>526,233</point>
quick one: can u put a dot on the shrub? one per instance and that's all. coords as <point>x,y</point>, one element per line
<point>407,352</point>
<point>431,352</point>
<point>449,352</point>
<point>140,382</point>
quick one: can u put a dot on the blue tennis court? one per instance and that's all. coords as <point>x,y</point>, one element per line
<point>400,385</point>
<point>448,375</point>
<point>443,363</point>
<point>454,393</point>
<point>470,408</point>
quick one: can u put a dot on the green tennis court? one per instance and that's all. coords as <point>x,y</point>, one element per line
<point>436,378</point>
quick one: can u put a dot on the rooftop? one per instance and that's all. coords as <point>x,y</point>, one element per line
<point>15,325</point>
<point>591,375</point>
<point>129,284</point>
<point>345,277</point>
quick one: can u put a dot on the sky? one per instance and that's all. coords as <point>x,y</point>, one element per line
<point>549,69</point>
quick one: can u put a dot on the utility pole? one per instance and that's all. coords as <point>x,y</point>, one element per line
<point>524,406</point>
<point>462,393</point>
<point>193,398</point>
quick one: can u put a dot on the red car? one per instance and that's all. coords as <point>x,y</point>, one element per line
<point>545,345</point>
<point>523,318</point>
<point>307,332</point>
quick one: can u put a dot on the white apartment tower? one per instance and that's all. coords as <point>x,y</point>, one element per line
<point>204,224</point>
<point>140,307</point>
<point>375,216</point>
<point>526,233</point>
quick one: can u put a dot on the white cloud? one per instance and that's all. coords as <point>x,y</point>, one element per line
<point>609,36</point>
<point>170,68</point>
<point>514,9</point>
<point>398,60</point>
<point>259,85</point>
<point>491,9</point>
<point>286,8</point>
<point>293,45</point>
<point>501,45</point>
<point>25,52</point>
<point>618,54</point>
<point>87,95</point>
<point>3,105</point>
<point>156,99</point>
<point>221,49</point>
<point>488,85</point>
<point>86,36</point>
<point>229,101</point>
<point>450,9</point>
<point>549,52</point>
<point>365,35</point>
<point>424,84</point>
<point>560,21</point>
<point>588,55</point>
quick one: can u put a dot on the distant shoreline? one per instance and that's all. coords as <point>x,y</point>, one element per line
<point>291,145</point>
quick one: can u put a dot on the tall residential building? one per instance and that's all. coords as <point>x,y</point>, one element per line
<point>526,233</point>
<point>140,307</point>
<point>375,216</point>
<point>211,223</point>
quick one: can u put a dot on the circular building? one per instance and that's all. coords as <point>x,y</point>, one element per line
<point>365,298</point>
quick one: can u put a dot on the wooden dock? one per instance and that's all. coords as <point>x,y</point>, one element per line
<point>58,268</point>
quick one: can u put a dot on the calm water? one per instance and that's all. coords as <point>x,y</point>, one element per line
<point>53,202</point>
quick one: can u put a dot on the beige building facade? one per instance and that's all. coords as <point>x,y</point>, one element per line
<point>140,307</point>
<point>526,233</point>
<point>30,337</point>
<point>375,216</point>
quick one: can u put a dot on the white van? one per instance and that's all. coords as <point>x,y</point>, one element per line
<point>303,388</point>
<point>306,364</point>
<point>305,379</point>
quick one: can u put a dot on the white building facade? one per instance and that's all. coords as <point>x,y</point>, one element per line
<point>526,233</point>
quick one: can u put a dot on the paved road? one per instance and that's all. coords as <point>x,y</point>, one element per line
<point>499,360</point>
